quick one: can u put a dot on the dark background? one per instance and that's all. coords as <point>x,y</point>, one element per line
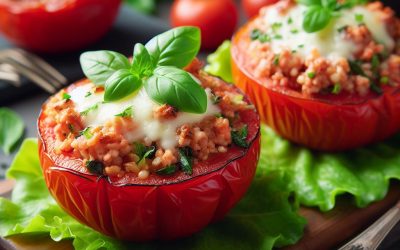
<point>131,27</point>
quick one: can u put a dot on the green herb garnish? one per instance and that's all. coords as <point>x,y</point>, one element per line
<point>359,18</point>
<point>186,160</point>
<point>168,170</point>
<point>95,167</point>
<point>276,60</point>
<point>294,31</point>
<point>311,75</point>
<point>356,69</point>
<point>336,88</point>
<point>255,34</point>
<point>90,109</point>
<point>239,137</point>
<point>319,13</point>
<point>66,96</point>
<point>126,113</point>
<point>168,51</point>
<point>276,26</point>
<point>86,132</point>
<point>88,94</point>
<point>384,80</point>
<point>71,128</point>
<point>278,37</point>
<point>143,152</point>
<point>290,20</point>
<point>343,28</point>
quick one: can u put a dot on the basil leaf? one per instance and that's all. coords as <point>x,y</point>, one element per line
<point>128,112</point>
<point>147,153</point>
<point>176,87</point>
<point>144,6</point>
<point>176,47</point>
<point>122,83</point>
<point>186,161</point>
<point>309,2</point>
<point>316,18</point>
<point>86,132</point>
<point>168,170</point>
<point>143,63</point>
<point>98,66</point>
<point>11,129</point>
<point>330,4</point>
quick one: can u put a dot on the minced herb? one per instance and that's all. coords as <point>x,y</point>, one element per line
<point>90,109</point>
<point>336,88</point>
<point>126,113</point>
<point>95,167</point>
<point>311,75</point>
<point>86,132</point>
<point>186,160</point>
<point>239,137</point>
<point>276,60</point>
<point>66,96</point>
<point>384,80</point>
<point>359,18</point>
<point>88,94</point>
<point>168,170</point>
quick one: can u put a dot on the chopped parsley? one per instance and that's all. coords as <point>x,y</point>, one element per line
<point>359,18</point>
<point>86,132</point>
<point>66,96</point>
<point>343,28</point>
<point>276,26</point>
<point>264,38</point>
<point>294,31</point>
<point>278,37</point>
<point>126,113</point>
<point>311,75</point>
<point>336,88</point>
<point>356,69</point>
<point>239,137</point>
<point>276,60</point>
<point>301,46</point>
<point>95,167</point>
<point>88,94</point>
<point>186,160</point>
<point>168,170</point>
<point>144,152</point>
<point>90,109</point>
<point>290,20</point>
<point>384,80</point>
<point>255,34</point>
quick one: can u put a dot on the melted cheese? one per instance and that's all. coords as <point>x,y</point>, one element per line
<point>329,42</point>
<point>143,107</point>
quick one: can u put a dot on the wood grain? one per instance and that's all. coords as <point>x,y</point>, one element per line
<point>324,230</point>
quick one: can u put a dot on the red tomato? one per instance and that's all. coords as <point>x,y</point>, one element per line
<point>56,25</point>
<point>325,122</point>
<point>217,20</point>
<point>252,7</point>
<point>156,208</point>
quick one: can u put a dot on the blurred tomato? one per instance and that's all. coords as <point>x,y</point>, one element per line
<point>56,25</point>
<point>217,20</point>
<point>252,7</point>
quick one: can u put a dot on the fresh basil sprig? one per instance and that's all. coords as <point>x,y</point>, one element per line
<point>156,65</point>
<point>177,88</point>
<point>319,13</point>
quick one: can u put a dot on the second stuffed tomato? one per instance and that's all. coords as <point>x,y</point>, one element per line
<point>142,164</point>
<point>331,89</point>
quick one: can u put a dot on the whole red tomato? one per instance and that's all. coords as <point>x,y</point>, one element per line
<point>323,122</point>
<point>56,25</point>
<point>159,207</point>
<point>217,20</point>
<point>252,7</point>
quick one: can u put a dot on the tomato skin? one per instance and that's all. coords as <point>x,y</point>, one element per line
<point>332,123</point>
<point>140,212</point>
<point>217,20</point>
<point>54,29</point>
<point>252,7</point>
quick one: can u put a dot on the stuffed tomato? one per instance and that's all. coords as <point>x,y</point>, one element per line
<point>55,26</point>
<point>158,152</point>
<point>330,84</point>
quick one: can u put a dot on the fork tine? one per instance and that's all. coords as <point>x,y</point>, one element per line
<point>31,74</point>
<point>40,65</point>
<point>9,74</point>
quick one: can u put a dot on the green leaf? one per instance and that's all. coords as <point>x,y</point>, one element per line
<point>11,129</point>
<point>239,137</point>
<point>143,152</point>
<point>219,63</point>
<point>98,66</point>
<point>176,87</point>
<point>95,167</point>
<point>186,161</point>
<point>316,18</point>
<point>143,64</point>
<point>121,84</point>
<point>145,6</point>
<point>310,2</point>
<point>168,170</point>
<point>86,132</point>
<point>262,220</point>
<point>66,96</point>
<point>176,47</point>
<point>128,112</point>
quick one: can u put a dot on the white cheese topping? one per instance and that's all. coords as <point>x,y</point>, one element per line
<point>329,42</point>
<point>142,107</point>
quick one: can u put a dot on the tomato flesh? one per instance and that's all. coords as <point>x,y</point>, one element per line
<point>324,122</point>
<point>56,26</point>
<point>158,207</point>
<point>252,7</point>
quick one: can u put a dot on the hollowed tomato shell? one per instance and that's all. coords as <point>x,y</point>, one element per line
<point>159,207</point>
<point>58,25</point>
<point>322,122</point>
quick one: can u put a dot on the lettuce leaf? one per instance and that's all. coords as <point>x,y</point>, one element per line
<point>262,220</point>
<point>219,62</point>
<point>316,179</point>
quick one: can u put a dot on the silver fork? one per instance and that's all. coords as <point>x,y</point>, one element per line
<point>16,62</point>
<point>372,237</point>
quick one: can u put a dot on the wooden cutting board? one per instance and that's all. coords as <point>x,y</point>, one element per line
<point>324,230</point>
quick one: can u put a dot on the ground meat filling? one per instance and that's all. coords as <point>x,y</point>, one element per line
<point>314,73</point>
<point>108,147</point>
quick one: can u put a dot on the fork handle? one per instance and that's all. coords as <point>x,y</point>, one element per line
<point>373,236</point>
